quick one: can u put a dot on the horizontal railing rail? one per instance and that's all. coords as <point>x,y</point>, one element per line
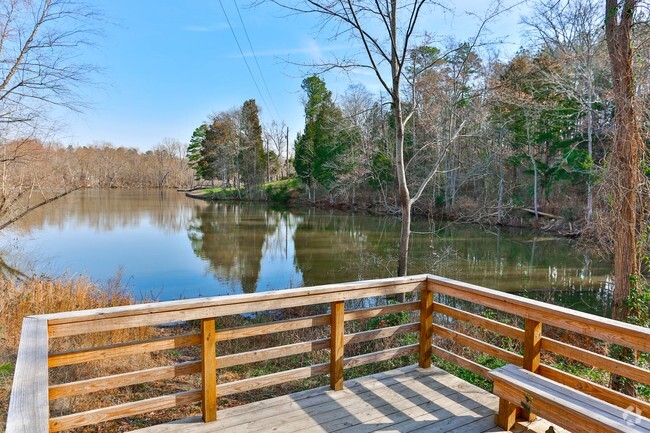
<point>531,342</point>
<point>443,326</point>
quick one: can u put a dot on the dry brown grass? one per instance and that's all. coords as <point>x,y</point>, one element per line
<point>44,295</point>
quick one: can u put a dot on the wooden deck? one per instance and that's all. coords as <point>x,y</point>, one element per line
<point>409,399</point>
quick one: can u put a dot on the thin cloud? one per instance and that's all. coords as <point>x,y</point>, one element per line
<point>312,49</point>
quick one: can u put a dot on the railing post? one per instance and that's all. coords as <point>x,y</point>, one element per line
<point>532,352</point>
<point>29,406</point>
<point>426,327</point>
<point>532,344</point>
<point>209,369</point>
<point>337,345</point>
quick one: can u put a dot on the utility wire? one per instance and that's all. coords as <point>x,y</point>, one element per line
<point>244,57</point>
<point>256,61</point>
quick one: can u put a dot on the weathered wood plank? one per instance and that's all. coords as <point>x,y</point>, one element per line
<point>270,328</point>
<point>597,360</point>
<point>200,303</point>
<point>613,331</point>
<point>455,416</point>
<point>595,390</point>
<point>130,318</point>
<point>225,361</point>
<point>345,410</point>
<point>123,410</point>
<point>430,401</point>
<point>383,355</point>
<point>28,406</point>
<point>271,379</point>
<point>421,404</point>
<point>368,313</point>
<point>123,349</point>
<point>481,322</point>
<point>124,379</point>
<point>460,361</point>
<point>376,334</point>
<point>478,345</point>
<point>266,413</point>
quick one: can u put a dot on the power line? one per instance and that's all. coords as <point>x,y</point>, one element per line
<point>256,61</point>
<point>244,57</point>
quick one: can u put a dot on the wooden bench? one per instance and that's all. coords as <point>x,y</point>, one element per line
<point>559,404</point>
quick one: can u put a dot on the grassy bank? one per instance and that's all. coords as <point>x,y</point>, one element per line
<point>278,191</point>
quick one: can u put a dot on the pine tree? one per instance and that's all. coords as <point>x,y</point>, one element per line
<point>321,144</point>
<point>195,153</point>
<point>251,155</point>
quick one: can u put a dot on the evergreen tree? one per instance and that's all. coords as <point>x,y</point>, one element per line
<point>251,156</point>
<point>194,153</point>
<point>542,122</point>
<point>219,147</point>
<point>321,144</point>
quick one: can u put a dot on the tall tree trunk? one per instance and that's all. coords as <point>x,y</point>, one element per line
<point>626,154</point>
<point>404,195</point>
<point>624,165</point>
<point>534,163</point>
<point>501,180</point>
<point>590,141</point>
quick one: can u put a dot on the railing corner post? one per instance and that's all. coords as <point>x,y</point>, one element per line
<point>28,410</point>
<point>209,369</point>
<point>337,323</point>
<point>426,326</point>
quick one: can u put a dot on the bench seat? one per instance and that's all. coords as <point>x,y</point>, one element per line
<point>559,404</point>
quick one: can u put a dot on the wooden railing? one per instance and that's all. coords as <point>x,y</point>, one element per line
<point>440,328</point>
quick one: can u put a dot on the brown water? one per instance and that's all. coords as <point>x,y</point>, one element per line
<point>168,246</point>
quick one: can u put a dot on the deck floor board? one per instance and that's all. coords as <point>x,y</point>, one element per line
<point>405,400</point>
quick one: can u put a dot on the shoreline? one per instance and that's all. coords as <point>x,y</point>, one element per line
<point>554,225</point>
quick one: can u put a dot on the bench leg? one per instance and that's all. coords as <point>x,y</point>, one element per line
<point>523,414</point>
<point>507,415</point>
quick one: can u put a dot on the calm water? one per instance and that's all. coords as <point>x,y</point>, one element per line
<point>168,246</point>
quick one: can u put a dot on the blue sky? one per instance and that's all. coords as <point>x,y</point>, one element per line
<point>168,64</point>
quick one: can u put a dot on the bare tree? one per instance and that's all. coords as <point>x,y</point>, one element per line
<point>39,44</point>
<point>176,158</point>
<point>357,106</point>
<point>386,32</point>
<point>275,135</point>
<point>40,41</point>
<point>573,29</point>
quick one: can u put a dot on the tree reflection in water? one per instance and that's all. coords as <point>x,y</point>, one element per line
<point>176,247</point>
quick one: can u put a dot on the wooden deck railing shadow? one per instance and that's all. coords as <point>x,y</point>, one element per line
<point>394,405</point>
<point>31,392</point>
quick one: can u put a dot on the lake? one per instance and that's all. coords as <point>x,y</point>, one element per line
<point>167,246</point>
